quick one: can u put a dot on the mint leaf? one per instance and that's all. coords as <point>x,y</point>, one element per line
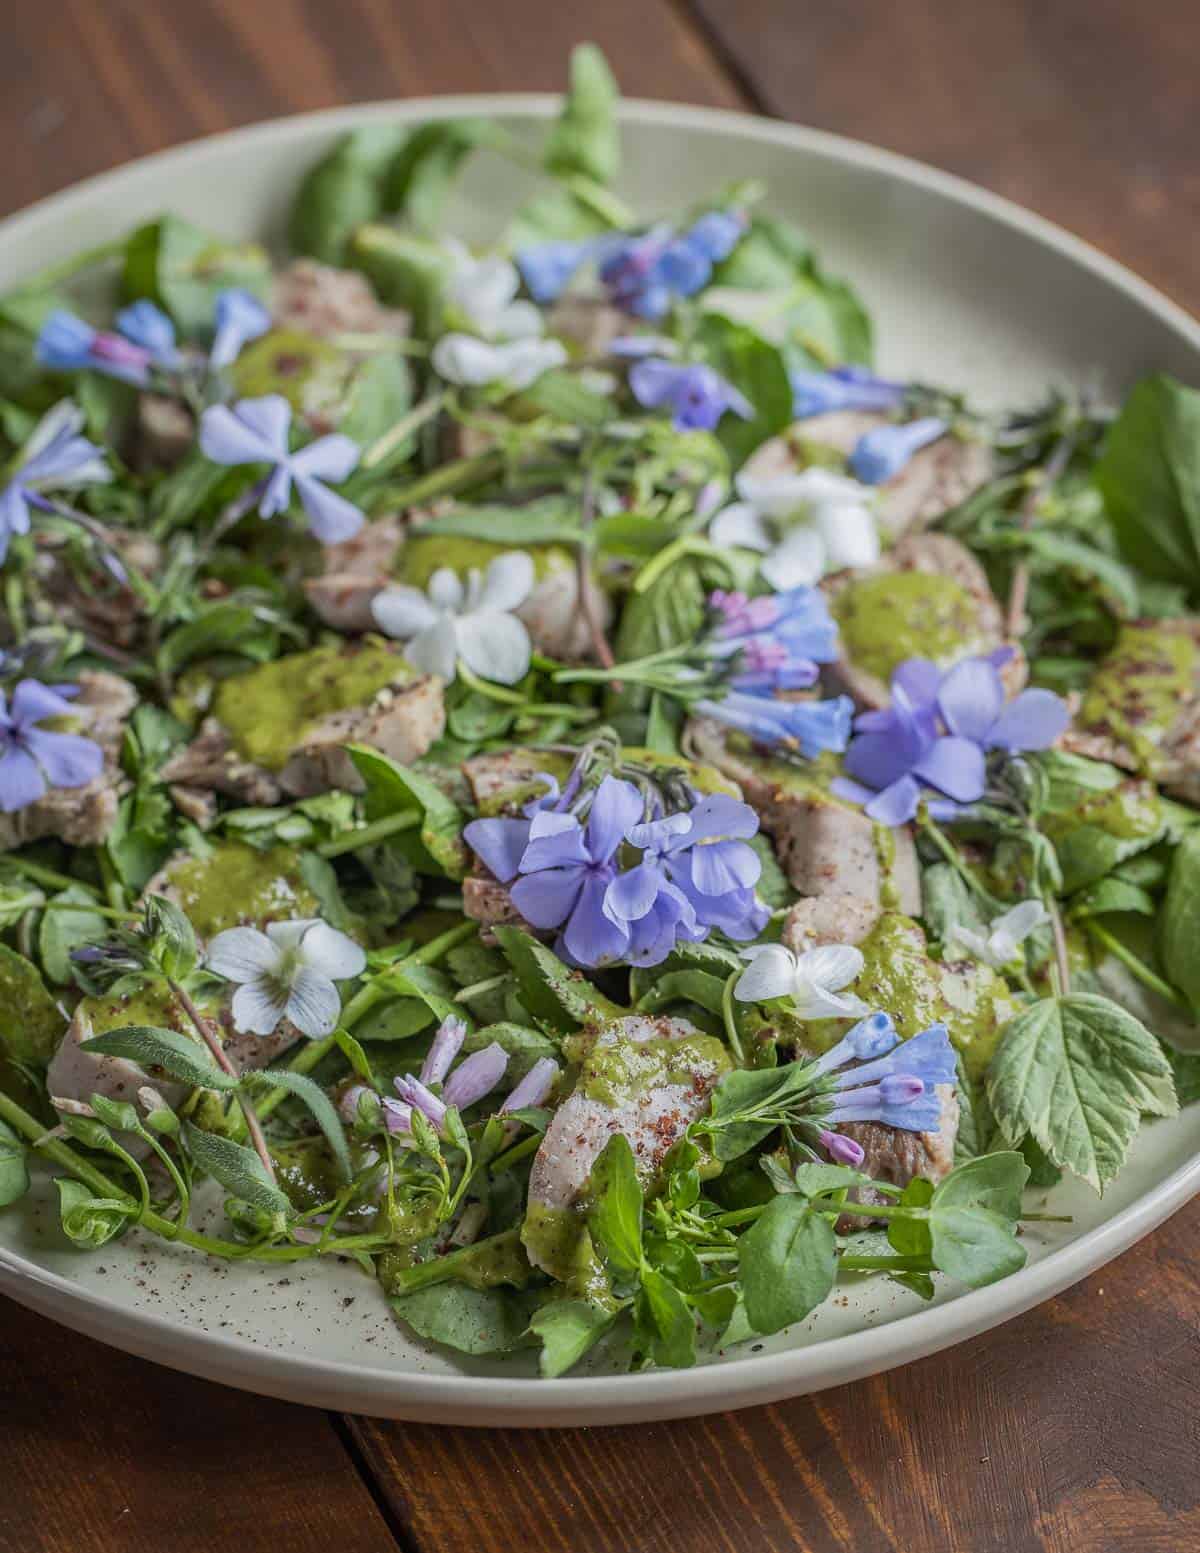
<point>787,1263</point>
<point>1078,1073</point>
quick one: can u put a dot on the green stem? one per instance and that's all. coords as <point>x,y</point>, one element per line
<point>738,1216</point>
<point>729,1014</point>
<point>441,1268</point>
<point>368,835</point>
<point>1140,969</point>
<point>689,544</point>
<point>41,875</point>
<point>485,687</point>
<point>391,439</point>
<point>952,855</point>
<point>516,1154</point>
<point>465,994</point>
<point>113,888</point>
<point>450,478</point>
<point>895,1264</point>
<point>99,911</point>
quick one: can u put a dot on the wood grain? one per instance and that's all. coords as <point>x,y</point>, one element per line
<point>1075,1429</point>
<point>85,86</point>
<point>104,1453</point>
<point>1085,110</point>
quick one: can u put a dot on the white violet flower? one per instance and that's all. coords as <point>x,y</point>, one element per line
<point>814,980</point>
<point>288,972</point>
<point>804,525</point>
<point>484,293</point>
<point>475,623</point>
<point>472,363</point>
<point>1000,945</point>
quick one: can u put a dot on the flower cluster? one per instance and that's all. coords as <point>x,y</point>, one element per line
<point>435,1090</point>
<point>56,457</point>
<point>774,642</point>
<point>475,623</point>
<point>34,759</point>
<point>936,734</point>
<point>143,341</point>
<point>804,525</point>
<point>642,273</point>
<point>255,431</point>
<point>289,972</point>
<point>696,395</point>
<point>892,1082</point>
<point>501,338</point>
<point>694,870</point>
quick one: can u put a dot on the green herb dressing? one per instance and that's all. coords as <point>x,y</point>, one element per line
<point>310,373</point>
<point>269,711</point>
<point>236,883</point>
<point>423,554</point>
<point>619,1071</point>
<point>557,1240</point>
<point>892,616</point>
<point>1140,688</point>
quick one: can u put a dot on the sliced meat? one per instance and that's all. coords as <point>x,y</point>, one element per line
<point>354,572</point>
<point>82,816</point>
<point>829,919</point>
<point>933,481</point>
<point>164,433</point>
<point>619,1090</point>
<point>897,1156</point>
<point>826,847</point>
<point>929,597</point>
<point>1141,710</point>
<point>401,720</point>
<point>87,597</point>
<point>491,776</point>
<point>328,302</point>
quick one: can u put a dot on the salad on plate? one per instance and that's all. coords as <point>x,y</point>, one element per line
<point>536,771</point>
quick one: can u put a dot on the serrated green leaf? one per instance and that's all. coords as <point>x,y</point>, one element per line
<point>554,994</point>
<point>436,846</point>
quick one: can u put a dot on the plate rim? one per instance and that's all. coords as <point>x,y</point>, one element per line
<point>655,1394</point>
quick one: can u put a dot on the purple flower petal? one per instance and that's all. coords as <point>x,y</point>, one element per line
<point>1032,721</point>
<point>547,898</point>
<point>555,841</point>
<point>633,893</point>
<point>68,759</point>
<point>32,701</point>
<point>331,518</point>
<point>21,780</point>
<point>721,866</point>
<point>238,318</point>
<point>955,767</point>
<point>534,1089</point>
<point>970,698</point>
<point>148,326</point>
<point>896,804</point>
<point>590,937</point>
<point>447,1044</point>
<point>616,807</point>
<point>476,1076</point>
<point>880,454</point>
<point>500,844</point>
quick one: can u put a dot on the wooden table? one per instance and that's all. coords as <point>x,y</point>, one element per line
<point>1074,1427</point>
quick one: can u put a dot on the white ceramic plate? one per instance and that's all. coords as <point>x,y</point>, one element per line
<point>966,290</point>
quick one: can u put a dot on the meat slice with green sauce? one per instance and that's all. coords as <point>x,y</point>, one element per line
<point>928,598</point>
<point>1141,709</point>
<point>826,846</point>
<point>935,479</point>
<point>646,1078</point>
<point>279,729</point>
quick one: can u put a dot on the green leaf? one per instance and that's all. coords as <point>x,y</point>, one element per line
<point>423,173</point>
<point>974,1245</point>
<point>757,369</point>
<point>671,611</point>
<point>17,895</point>
<point>1185,1066</point>
<point>117,1114</point>
<point>524,1046</point>
<point>614,1212</point>
<point>992,1181</point>
<point>684,986</point>
<point>550,521</point>
<point>172,935</point>
<point>555,995</point>
<point>14,1173</point>
<point>1180,922</point>
<point>184,269</point>
<point>342,191</point>
<point>562,396</point>
<point>743,1091</point>
<point>31,1024</point>
<point>436,846</point>
<point>173,1052</point>
<point>1109,895</point>
<point>239,1170</point>
<point>380,395</point>
<point>90,1222</point>
<point>586,138</point>
<point>664,1321</point>
<point>568,1328</point>
<point>406,271</point>
<point>911,1237</point>
<point>787,1262</point>
<point>473,1321</point>
<point>61,931</point>
<point>1149,476</point>
<point>1077,1073</point>
<point>310,1093</point>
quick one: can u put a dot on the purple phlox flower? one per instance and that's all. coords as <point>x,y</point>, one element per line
<point>696,395</point>
<point>67,344</point>
<point>696,872</point>
<point>475,1077</point>
<point>238,318</point>
<point>843,1151</point>
<point>778,639</point>
<point>447,1043</point>
<point>806,727</point>
<point>881,453</point>
<point>567,867</point>
<point>33,759</point>
<point>902,750</point>
<point>500,842</point>
<point>898,1087</point>
<point>547,268</point>
<point>55,458</point>
<point>534,1089</point>
<point>843,388</point>
<point>255,431</point>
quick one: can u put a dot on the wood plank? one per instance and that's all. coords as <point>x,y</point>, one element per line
<point>1084,110</point>
<point>1075,1427</point>
<point>105,1453</point>
<point>84,86</point>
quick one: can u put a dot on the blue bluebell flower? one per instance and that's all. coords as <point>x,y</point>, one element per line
<point>881,453</point>
<point>68,344</point>
<point>238,318</point>
<point>806,727</point>
<point>777,640</point>
<point>696,395</point>
<point>897,1082</point>
<point>547,268</point>
<point>843,388</point>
